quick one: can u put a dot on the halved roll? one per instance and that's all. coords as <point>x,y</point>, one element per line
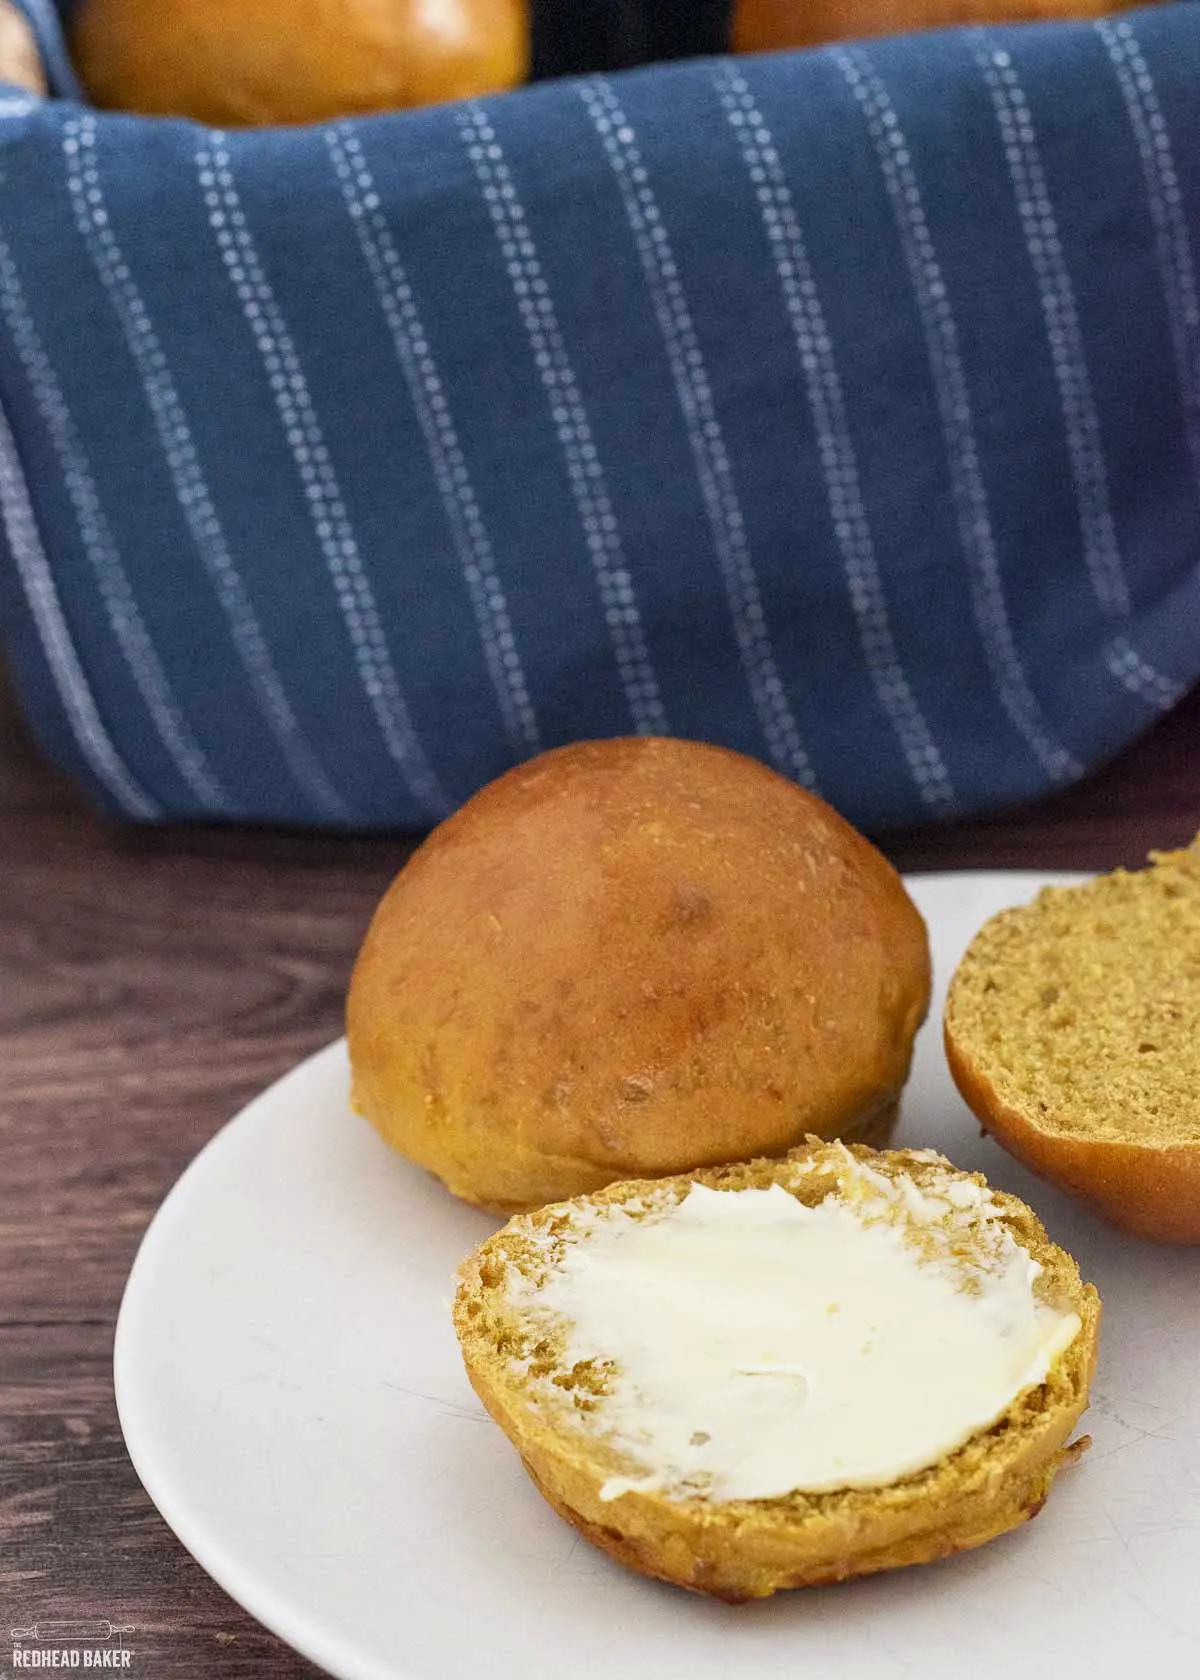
<point>786,1372</point>
<point>1072,1029</point>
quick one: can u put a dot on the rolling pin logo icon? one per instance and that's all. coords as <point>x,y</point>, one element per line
<point>80,1644</point>
<point>70,1633</point>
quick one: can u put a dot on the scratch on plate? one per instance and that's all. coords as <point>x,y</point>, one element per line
<point>449,1408</point>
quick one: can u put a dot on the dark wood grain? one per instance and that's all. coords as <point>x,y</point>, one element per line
<point>150,983</point>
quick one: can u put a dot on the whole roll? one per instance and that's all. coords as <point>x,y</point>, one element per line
<point>630,958</point>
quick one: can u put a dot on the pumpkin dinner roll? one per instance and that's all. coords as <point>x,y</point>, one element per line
<point>628,958</point>
<point>249,62</point>
<point>784,1373</point>
<point>1072,1029</point>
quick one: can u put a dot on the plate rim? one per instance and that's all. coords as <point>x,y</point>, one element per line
<point>288,1620</point>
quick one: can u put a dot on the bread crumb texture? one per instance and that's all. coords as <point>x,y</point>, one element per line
<point>553,1412</point>
<point>1082,1009</point>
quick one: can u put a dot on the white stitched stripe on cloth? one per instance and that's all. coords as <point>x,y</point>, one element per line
<point>835,446</point>
<point>183,463</point>
<point>124,616</point>
<point>451,474</point>
<point>1004,663</point>
<point>694,393</point>
<point>1172,239</point>
<point>1130,669</point>
<point>573,430</point>
<point>1056,294</point>
<point>37,580</point>
<point>314,467</point>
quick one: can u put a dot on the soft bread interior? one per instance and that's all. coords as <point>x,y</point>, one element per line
<point>749,1548</point>
<point>1082,1009</point>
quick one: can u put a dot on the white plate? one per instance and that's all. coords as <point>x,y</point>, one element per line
<point>292,1398</point>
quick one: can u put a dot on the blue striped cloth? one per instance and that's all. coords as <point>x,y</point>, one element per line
<point>843,407</point>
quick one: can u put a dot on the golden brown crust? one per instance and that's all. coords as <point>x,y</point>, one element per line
<point>244,62</point>
<point>1115,962</point>
<point>697,1557</point>
<point>20,61</point>
<point>744,1549</point>
<point>771,25</point>
<point>1152,1190</point>
<point>633,957</point>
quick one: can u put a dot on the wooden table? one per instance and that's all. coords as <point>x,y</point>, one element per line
<point>149,984</point>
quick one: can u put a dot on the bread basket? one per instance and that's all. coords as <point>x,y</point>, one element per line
<point>842,407</point>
